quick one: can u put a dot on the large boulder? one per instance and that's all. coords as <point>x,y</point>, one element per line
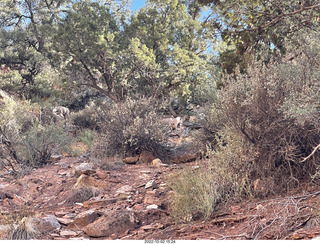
<point>46,224</point>
<point>83,168</point>
<point>114,222</point>
<point>83,219</point>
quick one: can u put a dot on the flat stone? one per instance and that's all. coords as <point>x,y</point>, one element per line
<point>68,233</point>
<point>99,203</point>
<point>146,157</point>
<point>46,224</point>
<point>158,163</point>
<point>70,215</point>
<point>64,221</point>
<point>60,213</point>
<point>153,206</point>
<point>151,183</point>
<point>131,160</point>
<point>88,181</point>
<point>151,197</point>
<point>64,165</point>
<point>83,168</point>
<point>126,189</point>
<point>55,158</point>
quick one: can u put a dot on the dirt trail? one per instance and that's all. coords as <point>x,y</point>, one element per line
<point>48,190</point>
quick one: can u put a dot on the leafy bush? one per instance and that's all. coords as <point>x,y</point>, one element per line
<point>23,139</point>
<point>274,108</point>
<point>87,118</point>
<point>265,126</point>
<point>199,192</point>
<point>87,137</point>
<point>40,142</point>
<point>130,127</point>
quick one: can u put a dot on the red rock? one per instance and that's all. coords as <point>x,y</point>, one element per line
<point>60,213</point>
<point>184,158</point>
<point>83,219</point>
<point>68,233</point>
<point>64,221</point>
<point>114,222</point>
<point>88,181</point>
<point>17,200</point>
<point>146,157</point>
<point>151,197</point>
<point>102,175</point>
<point>55,158</point>
<point>138,207</point>
<point>98,203</point>
<point>46,224</point>
<point>6,203</point>
<point>131,160</point>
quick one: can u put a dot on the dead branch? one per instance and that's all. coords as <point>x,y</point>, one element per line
<point>234,219</point>
<point>245,235</point>
<point>313,152</point>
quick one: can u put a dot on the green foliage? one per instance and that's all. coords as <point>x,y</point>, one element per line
<point>161,49</point>
<point>26,31</point>
<point>275,108</point>
<point>130,127</point>
<point>192,195</point>
<point>265,124</point>
<point>169,47</point>
<point>40,142</point>
<point>86,118</point>
<point>23,138</point>
<point>87,137</point>
<point>252,27</point>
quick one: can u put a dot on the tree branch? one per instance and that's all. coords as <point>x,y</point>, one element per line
<point>278,18</point>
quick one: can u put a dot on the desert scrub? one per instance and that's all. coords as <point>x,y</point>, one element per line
<point>87,137</point>
<point>40,142</point>
<point>224,178</point>
<point>274,109</point>
<point>130,127</point>
<point>19,223</point>
<point>193,194</point>
<point>24,139</point>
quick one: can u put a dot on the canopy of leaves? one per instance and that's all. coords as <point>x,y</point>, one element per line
<point>160,49</point>
<point>251,26</point>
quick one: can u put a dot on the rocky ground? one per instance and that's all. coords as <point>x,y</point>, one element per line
<point>72,198</point>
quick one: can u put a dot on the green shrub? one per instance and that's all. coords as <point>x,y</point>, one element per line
<point>40,142</point>
<point>274,108</point>
<point>199,192</point>
<point>86,118</point>
<point>130,127</point>
<point>24,139</point>
<point>87,137</point>
<point>193,195</point>
<point>264,126</point>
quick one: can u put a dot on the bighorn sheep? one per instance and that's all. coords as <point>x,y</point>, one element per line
<point>173,122</point>
<point>62,112</point>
